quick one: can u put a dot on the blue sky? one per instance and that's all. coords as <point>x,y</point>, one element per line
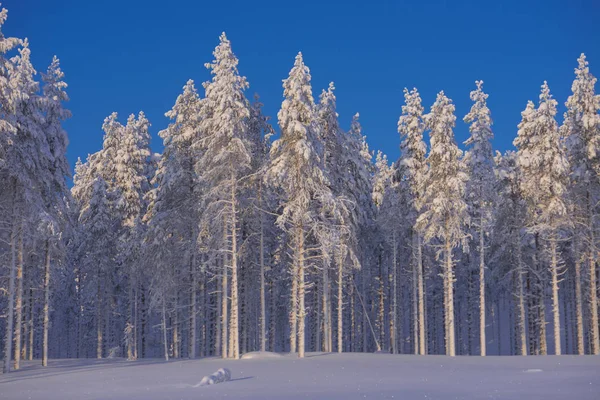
<point>132,55</point>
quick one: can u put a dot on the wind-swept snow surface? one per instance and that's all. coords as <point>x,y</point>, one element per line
<point>318,376</point>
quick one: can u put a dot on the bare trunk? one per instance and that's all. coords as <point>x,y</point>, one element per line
<point>46,305</point>
<point>193,295</point>
<point>521,301</point>
<point>555,299</point>
<point>340,315</point>
<point>416,316</point>
<point>263,307</point>
<point>99,302</point>
<point>294,305</point>
<point>449,297</point>
<point>19,300</point>
<point>579,306</point>
<point>394,323</point>
<point>301,290</point>
<point>234,350</point>
<point>482,341</point>
<point>164,330</point>
<point>8,337</point>
<point>594,334</point>
<point>31,325</point>
<point>224,300</point>
<point>421,298</point>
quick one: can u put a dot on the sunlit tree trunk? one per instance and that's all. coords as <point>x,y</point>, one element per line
<point>46,305</point>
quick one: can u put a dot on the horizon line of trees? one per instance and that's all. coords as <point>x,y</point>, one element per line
<point>230,242</point>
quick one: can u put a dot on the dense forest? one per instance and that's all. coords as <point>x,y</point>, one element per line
<point>248,235</point>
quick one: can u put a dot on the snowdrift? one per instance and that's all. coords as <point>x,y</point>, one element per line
<point>260,355</point>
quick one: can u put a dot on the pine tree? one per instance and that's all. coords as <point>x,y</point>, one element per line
<point>414,166</point>
<point>544,166</point>
<point>9,170</point>
<point>297,170</point>
<point>580,129</point>
<point>480,165</point>
<point>58,169</point>
<point>445,214</point>
<point>226,161</point>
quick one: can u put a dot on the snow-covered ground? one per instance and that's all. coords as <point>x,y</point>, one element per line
<point>319,376</point>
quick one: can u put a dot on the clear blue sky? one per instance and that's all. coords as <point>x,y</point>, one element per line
<point>132,55</point>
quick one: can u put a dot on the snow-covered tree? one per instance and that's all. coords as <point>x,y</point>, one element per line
<point>8,171</point>
<point>445,212</point>
<point>174,205</point>
<point>479,161</point>
<point>581,130</point>
<point>226,161</point>
<point>544,167</point>
<point>297,170</point>
<point>414,168</point>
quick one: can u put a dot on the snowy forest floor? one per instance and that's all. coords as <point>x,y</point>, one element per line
<point>319,376</point>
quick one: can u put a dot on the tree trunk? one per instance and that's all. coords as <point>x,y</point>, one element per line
<point>394,323</point>
<point>555,299</point>
<point>193,295</point>
<point>449,297</point>
<point>482,341</point>
<point>301,290</point>
<point>340,303</point>
<point>294,302</point>
<point>421,299</point>
<point>594,334</point>
<point>415,301</point>
<point>579,307</point>
<point>521,301</point>
<point>99,301</point>
<point>8,337</point>
<point>224,300</point>
<point>31,324</point>
<point>263,307</point>
<point>46,305</point>
<point>164,329</point>
<point>234,350</point>
<point>19,300</point>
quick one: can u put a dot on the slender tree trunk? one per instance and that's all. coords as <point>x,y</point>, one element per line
<point>219,316</point>
<point>99,301</point>
<point>19,300</point>
<point>31,325</point>
<point>263,306</point>
<point>193,295</point>
<point>394,295</point>
<point>482,341</point>
<point>324,301</point>
<point>555,299</point>
<point>46,305</point>
<point>294,303</point>
<point>521,301</point>
<point>164,330</point>
<point>415,301</point>
<point>8,337</point>
<point>340,315</point>
<point>175,327</point>
<point>129,332</point>
<point>421,299</point>
<point>224,319</point>
<point>234,350</point>
<point>301,291</point>
<point>449,309</point>
<point>594,334</point>
<point>579,307</point>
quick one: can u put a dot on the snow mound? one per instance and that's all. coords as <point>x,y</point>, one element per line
<point>222,375</point>
<point>260,355</point>
<point>533,370</point>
